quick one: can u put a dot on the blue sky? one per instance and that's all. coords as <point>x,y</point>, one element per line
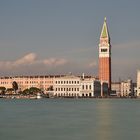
<point>61,36</point>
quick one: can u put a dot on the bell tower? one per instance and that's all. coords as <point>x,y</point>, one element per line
<point>105,55</point>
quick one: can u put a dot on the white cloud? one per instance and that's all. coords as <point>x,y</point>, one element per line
<point>27,59</point>
<point>31,64</point>
<point>30,60</point>
<point>54,62</point>
<point>92,64</point>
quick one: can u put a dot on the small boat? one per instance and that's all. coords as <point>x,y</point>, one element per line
<point>38,96</point>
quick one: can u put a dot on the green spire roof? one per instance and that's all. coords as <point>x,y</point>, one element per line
<point>104,33</point>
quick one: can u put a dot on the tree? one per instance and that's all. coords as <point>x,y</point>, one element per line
<point>50,88</point>
<point>9,90</point>
<point>26,91</point>
<point>2,90</point>
<point>34,90</point>
<point>15,86</point>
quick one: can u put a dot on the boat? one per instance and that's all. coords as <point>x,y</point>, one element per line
<point>38,96</point>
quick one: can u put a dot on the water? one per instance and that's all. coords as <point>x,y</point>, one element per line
<point>70,119</point>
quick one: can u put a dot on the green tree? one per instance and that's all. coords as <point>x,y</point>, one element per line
<point>26,91</point>
<point>50,88</point>
<point>34,90</point>
<point>2,90</point>
<point>9,90</point>
<point>15,86</point>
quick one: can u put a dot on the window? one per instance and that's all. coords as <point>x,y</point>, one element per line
<point>103,50</point>
<point>89,86</point>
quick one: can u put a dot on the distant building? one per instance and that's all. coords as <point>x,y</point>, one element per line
<point>74,86</point>
<point>60,85</point>
<point>127,88</point>
<point>116,88</point>
<point>135,89</point>
<point>90,87</point>
<point>124,88</point>
<point>24,82</point>
<point>67,86</point>
<point>138,83</point>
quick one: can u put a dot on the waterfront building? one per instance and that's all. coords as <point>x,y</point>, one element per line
<point>105,56</point>
<point>90,87</point>
<point>67,86</point>
<point>123,88</point>
<point>127,88</point>
<point>76,86</point>
<point>60,85</point>
<point>116,88</point>
<point>24,82</point>
<point>138,83</point>
<point>135,89</point>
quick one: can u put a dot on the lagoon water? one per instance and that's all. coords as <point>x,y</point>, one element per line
<point>70,119</point>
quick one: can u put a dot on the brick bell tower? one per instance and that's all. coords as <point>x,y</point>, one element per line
<point>105,56</point>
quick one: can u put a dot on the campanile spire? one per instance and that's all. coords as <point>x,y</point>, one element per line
<point>105,32</point>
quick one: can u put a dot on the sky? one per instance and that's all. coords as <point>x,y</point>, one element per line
<point>60,36</point>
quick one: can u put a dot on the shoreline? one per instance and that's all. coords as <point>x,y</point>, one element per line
<point>54,97</point>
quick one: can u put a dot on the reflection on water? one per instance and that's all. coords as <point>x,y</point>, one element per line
<point>69,119</point>
<point>104,120</point>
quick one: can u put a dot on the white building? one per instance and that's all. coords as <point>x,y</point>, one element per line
<point>138,83</point>
<point>74,86</point>
<point>126,88</point>
<point>67,86</point>
<point>90,87</point>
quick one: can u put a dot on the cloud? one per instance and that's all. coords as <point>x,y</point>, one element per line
<point>27,59</point>
<point>31,60</point>
<point>31,64</point>
<point>92,64</point>
<point>54,62</point>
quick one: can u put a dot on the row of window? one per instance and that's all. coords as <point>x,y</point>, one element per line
<point>72,95</point>
<point>27,82</point>
<point>86,87</point>
<point>4,83</point>
<point>66,89</point>
<point>67,82</point>
<point>67,94</point>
